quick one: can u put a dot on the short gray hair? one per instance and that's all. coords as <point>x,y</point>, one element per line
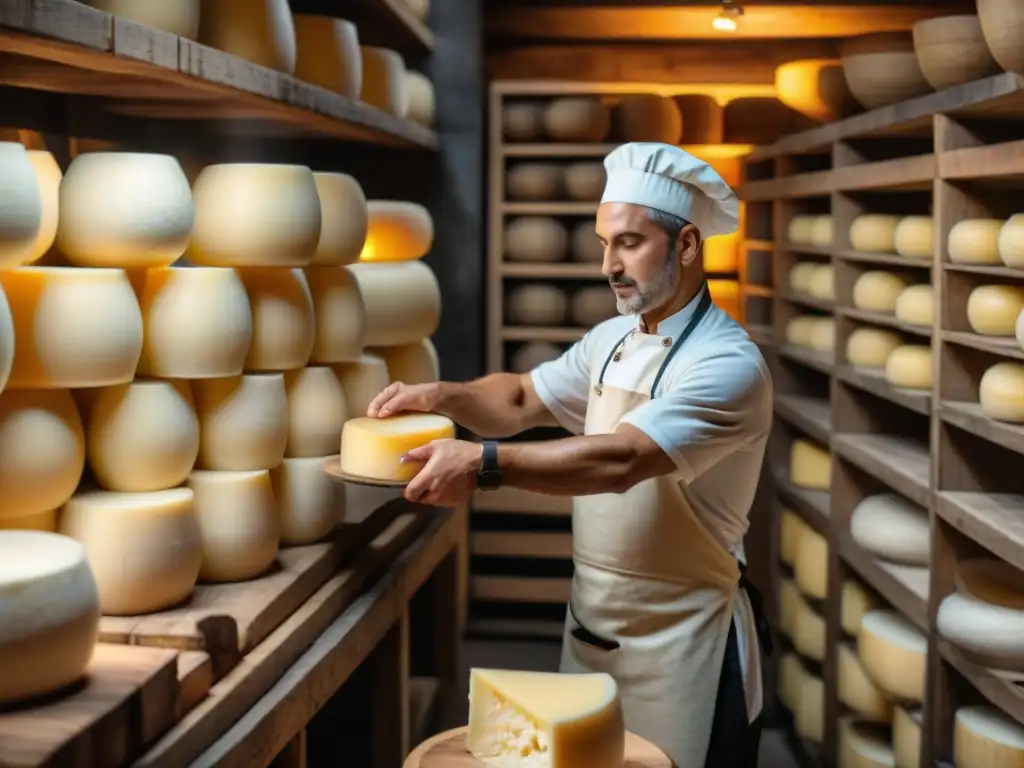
<point>670,224</point>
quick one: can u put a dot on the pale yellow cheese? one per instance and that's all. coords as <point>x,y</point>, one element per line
<point>823,334</point>
<point>721,253</point>
<point>809,631</point>
<point>410,363</point>
<point>6,339</point>
<point>283,324</point>
<point>910,367</point>
<point>809,714</point>
<point>874,233</point>
<point>49,613</point>
<point>239,529</point>
<point>384,82</point>
<point>243,421</point>
<point>798,330</point>
<point>870,347</point>
<point>1001,392</point>
<point>799,230</point>
<point>855,602</point>
<point>822,284</point>
<point>867,744</point>
<point>538,239</point>
<point>175,17</point>
<point>42,450</point>
<point>892,528</point>
<point>73,327</point>
<point>260,31</point>
<point>992,310</point>
<point>914,237</point>
<point>822,231</point>
<point>144,548</point>
<point>339,315</point>
<point>344,219</point>
<point>906,737</point>
<point>328,54</point>
<point>1011,242</point>
<point>877,291</point>
<point>789,606</point>
<point>811,567</point>
<point>124,209</point>
<point>855,688</point>
<point>545,720</point>
<point>402,300</point>
<point>317,409</point>
<point>984,737</point>
<point>791,674</point>
<point>791,526</point>
<point>809,466</point>
<point>916,305</point>
<point>398,231</point>
<point>975,241</point>
<point>48,176</point>
<point>374,448</point>
<point>21,206</point>
<point>894,653</point>
<point>800,276</point>
<point>362,380</point>
<point>422,101</point>
<point>41,521</point>
<point>310,503</point>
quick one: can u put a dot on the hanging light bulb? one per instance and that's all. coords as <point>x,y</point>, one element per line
<point>727,19</point>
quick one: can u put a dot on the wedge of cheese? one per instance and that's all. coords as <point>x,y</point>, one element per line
<point>545,720</point>
<point>374,447</point>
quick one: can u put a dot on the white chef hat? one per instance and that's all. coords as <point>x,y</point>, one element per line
<point>671,180</point>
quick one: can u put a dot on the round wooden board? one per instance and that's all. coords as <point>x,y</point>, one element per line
<point>448,750</point>
<point>333,468</point>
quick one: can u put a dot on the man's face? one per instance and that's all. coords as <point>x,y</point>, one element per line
<point>640,262</point>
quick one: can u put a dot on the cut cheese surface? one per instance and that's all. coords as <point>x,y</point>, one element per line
<point>402,300</point>
<point>916,305</point>
<point>914,237</point>
<point>855,688</point>
<point>910,367</point>
<point>992,310</point>
<point>21,208</point>
<point>49,613</point>
<point>975,241</point>
<point>856,601</point>
<point>316,411</point>
<point>870,347</point>
<point>545,720</point>
<point>894,653</point>
<point>410,363</point>
<point>1001,391</point>
<point>243,421</point>
<point>374,447</point>
<point>362,380</point>
<point>810,466</point>
<point>877,291</point>
<point>809,631</point>
<point>283,324</point>
<point>811,566</point>
<point>398,231</point>
<point>906,737</point>
<point>48,176</point>
<point>344,219</point>
<point>144,548</point>
<point>1011,242</point>
<point>339,315</point>
<point>890,527</point>
<point>874,233</point>
<point>309,502</point>
<point>984,737</point>
<point>791,526</point>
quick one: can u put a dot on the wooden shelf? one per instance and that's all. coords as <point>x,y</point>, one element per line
<point>388,23</point>
<point>997,346</point>
<point>813,506</point>
<point>969,417</point>
<point>905,587</point>
<point>812,302</point>
<point>535,333</point>
<point>907,174</point>
<point>996,521</point>
<point>873,381</point>
<point>818,361</point>
<point>560,271</point>
<point>877,318</point>
<point>810,414</point>
<point>900,463</point>
<point>549,209</point>
<point>892,259</point>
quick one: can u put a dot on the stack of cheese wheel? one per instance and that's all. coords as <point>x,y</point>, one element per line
<point>998,310</point>
<point>809,466</point>
<point>983,737</point>
<point>856,689</point>
<point>893,529</point>
<point>810,230</point>
<point>874,233</point>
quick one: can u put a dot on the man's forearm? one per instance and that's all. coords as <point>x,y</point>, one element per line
<point>575,466</point>
<point>493,406</point>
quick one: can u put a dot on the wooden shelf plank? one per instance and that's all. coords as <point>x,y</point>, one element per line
<point>818,250</point>
<point>549,209</point>
<point>532,333</point>
<point>969,417</point>
<point>911,174</point>
<point>996,521</point>
<point>995,161</point>
<point>520,544</point>
<point>707,152</point>
<point>1004,694</point>
<point>893,259</point>
<point>877,318</point>
<point>525,502</point>
<point>759,245</point>
<point>900,463</point>
<point>810,414</point>
<point>985,269</point>
<point>818,361</point>
<point>873,381</point>
<point>519,589</point>
<point>905,587</point>
<point>813,506</point>
<point>995,345</point>
<point>824,305</point>
<point>516,628</point>
<point>388,23</point>
<point>811,184</point>
<point>560,271</point>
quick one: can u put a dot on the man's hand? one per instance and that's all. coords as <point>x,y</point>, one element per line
<point>449,476</point>
<point>398,397</point>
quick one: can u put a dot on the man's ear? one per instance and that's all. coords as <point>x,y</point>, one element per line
<point>688,243</point>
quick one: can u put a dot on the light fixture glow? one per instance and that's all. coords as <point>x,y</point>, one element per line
<point>726,21</point>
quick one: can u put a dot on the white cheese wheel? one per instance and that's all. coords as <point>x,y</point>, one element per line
<point>1011,242</point>
<point>791,675</point>
<point>536,304</point>
<point>422,99</point>
<point>402,300</point>
<point>142,436</point>
<point>910,367</point>
<point>870,347</point>
<point>374,448</point>
<point>310,503</point>
<point>809,714</point>
<point>143,548</point>
<point>41,521</point>
<point>809,631</point>
<point>1001,392</point>
<point>855,688</point>
<point>800,276</point>
<point>894,653</point>
<point>810,568</point>
<point>916,305</point>
<point>21,206</point>
<point>533,354</point>
<point>362,380</point>
<point>539,239</point>
<point>823,334</point>
<point>890,527</point>
<point>339,315</point>
<point>592,305</point>
<point>647,117</point>
<point>867,744</point>
<point>914,237</point>
<point>906,737</point>
<point>124,209</point>
<point>534,181</point>
<point>48,176</point>
<point>580,119</point>
<point>410,363</point>
<point>175,17</point>
<point>260,31</point>
<point>856,600</point>
<point>316,411</point>
<point>344,219</point>
<point>799,230</point>
<point>523,121</point>
<point>239,530</point>
<point>975,241</point>
<point>6,339</point>
<point>791,526</point>
<point>585,181</point>
<point>992,310</point>
<point>877,291</point>
<point>789,606</point>
<point>810,466</point>
<point>384,84</point>
<point>196,321</point>
<point>822,284</point>
<point>73,327</point>
<point>255,215</point>
<point>328,54</point>
<point>243,421</point>
<point>985,737</point>
<point>822,231</point>
<point>874,233</point>
<point>283,324</point>
<point>398,231</point>
<point>49,614</point>
<point>42,450</point>
<point>798,330</point>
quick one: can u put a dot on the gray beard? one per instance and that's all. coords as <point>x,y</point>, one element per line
<point>654,293</point>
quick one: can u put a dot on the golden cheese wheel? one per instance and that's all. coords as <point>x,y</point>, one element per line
<point>856,690</point>
<point>800,276</point>
<point>592,305</point>
<point>916,305</point>
<point>874,233</point>
<point>585,181</point>
<point>1011,242</point>
<point>647,117</point>
<point>721,253</point>
<point>799,230</point>
<point>328,54</point>
<point>906,737</point>
<point>585,246</point>
<point>856,600</point>
<point>260,31</point>
<point>914,237</point>
<point>533,354</point>
<point>894,654</point>
<point>384,82</point>
<point>809,715</point>
<point>823,334</point>
<point>809,465</point>
<point>536,304</point>
<point>865,743</point>
<point>791,675</point>
<point>523,121</point>
<point>985,737</point>
<point>870,347</point>
<point>580,119</point>
<point>534,181</point>
<point>798,330</point>
<point>822,283</point>
<point>822,231</point>
<point>992,310</point>
<point>975,241</point>
<point>344,219</point>
<point>175,17</point>
<point>877,291</point>
<point>1001,392</point>
<point>810,567</point>
<point>791,525</point>
<point>536,239</point>
<point>910,367</point>
<point>808,631</point>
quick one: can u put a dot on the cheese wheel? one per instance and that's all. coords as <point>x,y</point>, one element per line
<point>874,233</point>
<point>196,321</point>
<point>809,631</point>
<point>798,330</point>
<point>791,526</point>
<point>791,674</point>
<point>647,117</point>
<point>422,100</point>
<point>1018,333</point>
<point>255,215</point>
<point>398,231</point>
<point>822,285</point>
<point>72,327</point>
<point>799,230</point>
<point>992,310</point>
<point>239,530</point>
<point>144,548</point>
<point>316,411</point>
<point>344,219</point>
<point>124,209</point>
<point>809,715</point>
<point>810,568</point>
<point>534,181</point>
<point>49,614</point>
<point>789,607</point>
<point>374,448</point>
<point>537,239</point>
<point>822,334</point>
<point>21,206</point>
<point>42,445</point>
<point>1001,392</point>
<point>720,253</point>
<point>362,380</point>
<point>809,466</point>
<point>867,744</point>
<point>914,237</point>
<point>592,305</point>
<point>243,421</point>
<point>410,363</point>
<point>328,54</point>
<point>339,315</point>
<point>800,276</point>
<point>537,304</point>
<point>890,527</point>
<point>402,300</point>
<point>585,245</point>
<point>906,737</point>
<point>179,17</point>
<point>855,688</point>
<point>585,181</point>
<point>384,83</point>
<point>523,121</point>
<point>984,737</point>
<point>142,436</point>
<point>975,241</point>
<point>6,339</point>
<point>48,176</point>
<point>910,367</point>
<point>916,305</point>
<point>310,503</point>
<point>260,31</point>
<point>870,347</point>
<point>1011,242</point>
<point>856,600</point>
<point>580,119</point>
<point>877,291</point>
<point>283,325</point>
<point>533,354</point>
<point>822,231</point>
<point>41,521</point>
<point>894,653</point>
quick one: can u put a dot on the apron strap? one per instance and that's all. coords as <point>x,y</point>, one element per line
<point>763,626</point>
<point>702,309</point>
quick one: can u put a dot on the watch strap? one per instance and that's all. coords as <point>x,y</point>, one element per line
<point>489,475</point>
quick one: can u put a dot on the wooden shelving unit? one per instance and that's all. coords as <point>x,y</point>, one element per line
<point>954,154</point>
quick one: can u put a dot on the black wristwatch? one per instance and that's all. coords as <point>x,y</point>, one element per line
<point>488,477</point>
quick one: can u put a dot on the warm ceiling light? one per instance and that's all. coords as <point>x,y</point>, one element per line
<point>726,21</point>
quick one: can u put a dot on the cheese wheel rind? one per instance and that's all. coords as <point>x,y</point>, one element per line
<point>906,737</point>
<point>21,207</point>
<point>894,653</point>
<point>789,605</point>
<point>374,448</point>
<point>856,602</point>
<point>811,567</point>
<point>49,177</point>
<point>344,219</point>
<point>910,367</point>
<point>791,525</point>
<point>316,411</point>
<point>890,527</point>
<point>362,380</point>
<point>856,689</point>
<point>398,231</point>
<point>992,310</point>
<point>809,465</point>
<point>916,305</point>
<point>914,237</point>
<point>809,631</point>
<point>422,99</point>
<point>410,363</point>
<point>243,421</point>
<point>809,716</point>
<point>261,32</point>
<point>402,300</point>
<point>1011,242</point>
<point>877,291</point>
<point>6,339</point>
<point>870,347</point>
<point>310,502</point>
<point>874,233</point>
<point>984,737</point>
<point>283,322</point>
<point>975,241</point>
<point>822,283</point>
<point>327,54</point>
<point>339,315</point>
<point>1001,392</point>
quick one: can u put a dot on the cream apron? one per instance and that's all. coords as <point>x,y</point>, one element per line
<point>652,594</point>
